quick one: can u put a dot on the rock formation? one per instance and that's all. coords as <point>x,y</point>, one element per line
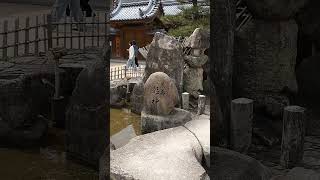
<point>165,55</point>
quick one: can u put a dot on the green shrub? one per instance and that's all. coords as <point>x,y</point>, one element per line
<point>185,22</point>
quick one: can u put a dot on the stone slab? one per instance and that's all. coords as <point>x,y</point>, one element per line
<point>151,123</point>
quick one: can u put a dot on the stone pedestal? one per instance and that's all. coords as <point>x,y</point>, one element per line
<point>201,104</point>
<point>185,100</point>
<point>241,124</point>
<point>87,126</point>
<point>86,134</point>
<point>151,123</point>
<point>292,136</point>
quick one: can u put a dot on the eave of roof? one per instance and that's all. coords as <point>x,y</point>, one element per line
<point>130,11</point>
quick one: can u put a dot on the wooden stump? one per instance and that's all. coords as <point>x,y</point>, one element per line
<point>292,136</point>
<point>185,101</point>
<point>241,124</point>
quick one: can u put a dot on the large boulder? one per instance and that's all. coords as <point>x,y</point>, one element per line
<point>308,78</point>
<point>86,125</point>
<point>164,155</point>
<point>165,55</point>
<point>160,94</point>
<point>23,95</point>
<point>136,98</point>
<point>192,81</point>
<point>264,68</point>
<point>299,173</point>
<point>229,164</point>
<point>275,9</point>
<point>308,21</point>
<point>118,92</point>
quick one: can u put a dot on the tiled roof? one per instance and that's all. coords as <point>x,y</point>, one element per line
<point>134,10</point>
<point>142,9</point>
<point>174,9</point>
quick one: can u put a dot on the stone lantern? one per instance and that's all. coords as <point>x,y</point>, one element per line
<point>193,71</point>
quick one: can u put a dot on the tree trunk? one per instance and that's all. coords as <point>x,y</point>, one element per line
<point>223,25</point>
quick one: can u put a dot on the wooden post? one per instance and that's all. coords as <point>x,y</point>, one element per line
<point>5,40</point>
<point>79,33</point>
<point>44,33</point>
<point>65,32</point>
<point>185,100</point>
<point>106,17</point>
<point>57,35</point>
<point>92,32</point>
<point>26,40</point>
<point>241,124</point>
<point>293,133</point>
<point>49,21</point>
<point>118,72</point>
<point>201,104</point>
<point>36,42</point>
<point>71,38</point>
<point>16,37</point>
<point>98,30</point>
<point>84,32</point>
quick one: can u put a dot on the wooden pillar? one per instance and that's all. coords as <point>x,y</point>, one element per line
<point>185,100</point>
<point>292,136</point>
<point>222,19</point>
<point>241,124</point>
<point>201,104</point>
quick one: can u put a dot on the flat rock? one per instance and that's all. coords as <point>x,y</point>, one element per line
<point>169,154</point>
<point>123,137</point>
<point>200,126</point>
<point>151,123</point>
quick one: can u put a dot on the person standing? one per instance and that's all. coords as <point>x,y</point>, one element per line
<point>136,51</point>
<point>60,6</point>
<point>86,7</point>
<point>131,59</point>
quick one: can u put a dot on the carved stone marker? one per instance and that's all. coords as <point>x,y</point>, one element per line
<point>160,94</point>
<point>292,136</point>
<point>241,124</point>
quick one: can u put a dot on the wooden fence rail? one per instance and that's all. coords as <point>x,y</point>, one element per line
<point>122,72</point>
<point>35,35</point>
